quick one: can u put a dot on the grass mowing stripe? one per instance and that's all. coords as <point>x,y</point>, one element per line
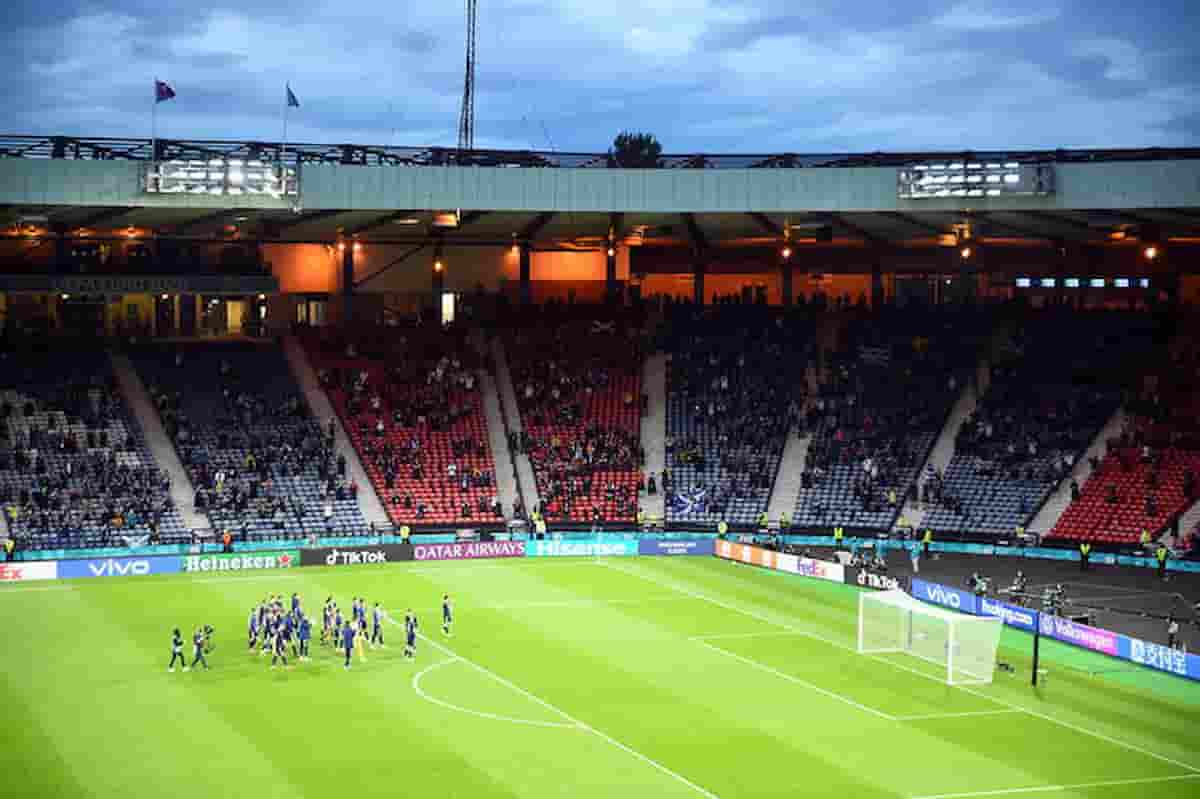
<point>1059,788</point>
<point>445,650</point>
<point>1070,726</point>
<point>579,603</point>
<point>752,614</point>
<point>797,680</point>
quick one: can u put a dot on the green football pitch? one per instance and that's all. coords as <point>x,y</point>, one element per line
<point>640,677</point>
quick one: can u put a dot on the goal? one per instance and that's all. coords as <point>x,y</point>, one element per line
<point>962,646</point>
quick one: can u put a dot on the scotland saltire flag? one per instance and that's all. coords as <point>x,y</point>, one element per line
<point>162,91</point>
<point>689,502</point>
<point>291,98</point>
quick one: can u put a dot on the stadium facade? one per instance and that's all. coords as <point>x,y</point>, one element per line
<point>184,237</point>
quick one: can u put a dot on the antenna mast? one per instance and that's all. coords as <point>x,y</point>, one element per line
<point>466,117</point>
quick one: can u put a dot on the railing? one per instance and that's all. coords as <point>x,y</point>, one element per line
<point>103,148</point>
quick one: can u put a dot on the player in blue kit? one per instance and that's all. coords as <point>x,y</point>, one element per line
<point>348,641</point>
<point>295,607</point>
<point>177,651</point>
<point>447,614</point>
<point>269,632</point>
<point>304,633</point>
<point>253,631</point>
<point>289,633</point>
<point>360,616</point>
<point>410,634</point>
<point>338,623</point>
<point>377,626</point>
<point>198,649</point>
<point>279,651</point>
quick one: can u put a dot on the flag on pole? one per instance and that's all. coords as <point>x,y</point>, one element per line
<point>291,98</point>
<point>162,91</point>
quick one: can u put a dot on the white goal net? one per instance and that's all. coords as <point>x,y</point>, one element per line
<point>964,647</point>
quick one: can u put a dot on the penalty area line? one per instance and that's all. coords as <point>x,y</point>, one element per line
<point>445,650</point>
<point>1059,788</point>
<point>1132,747</point>
<point>966,714</point>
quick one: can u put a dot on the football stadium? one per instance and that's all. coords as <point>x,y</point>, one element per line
<point>377,470</point>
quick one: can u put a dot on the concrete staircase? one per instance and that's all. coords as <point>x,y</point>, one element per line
<point>506,477</point>
<point>942,452</point>
<point>1188,521</point>
<point>1056,504</point>
<point>134,391</point>
<point>654,432</point>
<point>788,480</point>
<point>526,483</point>
<point>369,503</point>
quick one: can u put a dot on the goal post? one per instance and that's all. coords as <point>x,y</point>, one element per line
<point>963,646</point>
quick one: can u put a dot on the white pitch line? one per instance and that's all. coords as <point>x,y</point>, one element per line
<point>26,589</point>
<point>582,725</point>
<point>1056,788</point>
<point>230,578</point>
<point>1004,703</point>
<point>928,716</point>
<point>790,678</point>
<point>416,684</point>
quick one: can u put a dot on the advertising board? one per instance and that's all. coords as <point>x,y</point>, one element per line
<point>356,556</point>
<point>676,546</point>
<point>241,561</point>
<point>1012,615</point>
<point>588,547</point>
<point>19,572</point>
<point>944,595</point>
<point>469,550</point>
<point>1081,635</point>
<point>780,561</point>
<point>120,567</point>
<point>872,579</point>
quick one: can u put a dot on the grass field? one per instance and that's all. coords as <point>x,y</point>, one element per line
<point>639,677</point>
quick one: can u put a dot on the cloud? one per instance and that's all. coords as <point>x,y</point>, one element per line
<point>703,75</point>
<point>976,17</point>
<point>1122,60</point>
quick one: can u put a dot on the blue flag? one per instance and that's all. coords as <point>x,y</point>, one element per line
<point>291,98</point>
<point>162,91</point>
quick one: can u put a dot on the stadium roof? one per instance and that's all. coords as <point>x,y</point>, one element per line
<point>910,228</point>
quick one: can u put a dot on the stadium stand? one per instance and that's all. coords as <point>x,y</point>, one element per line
<point>1059,378</point>
<point>578,386</point>
<point>1148,479</point>
<point>734,385</point>
<point>1137,487</point>
<point>890,388</point>
<point>75,470</point>
<point>260,464</point>
<point>410,402</point>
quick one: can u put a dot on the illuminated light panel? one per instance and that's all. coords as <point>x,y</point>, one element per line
<point>969,179</point>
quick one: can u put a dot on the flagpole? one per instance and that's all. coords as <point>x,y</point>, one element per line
<point>286,106</point>
<point>154,123</point>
